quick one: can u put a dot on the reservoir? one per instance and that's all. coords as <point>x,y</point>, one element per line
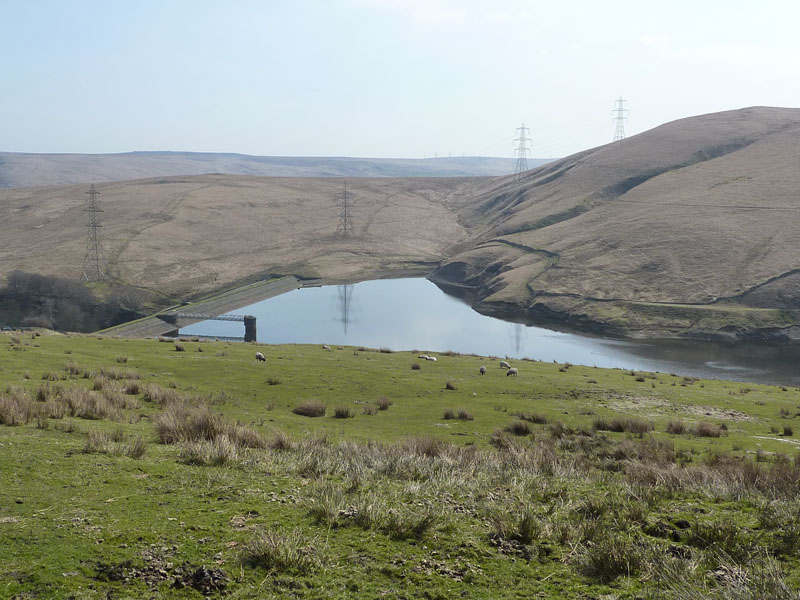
<point>414,314</point>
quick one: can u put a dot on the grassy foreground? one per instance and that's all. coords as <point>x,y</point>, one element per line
<point>139,468</point>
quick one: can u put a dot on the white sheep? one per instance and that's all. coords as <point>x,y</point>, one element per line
<point>512,372</point>
<point>482,370</point>
<point>260,357</point>
<point>326,347</point>
<point>433,358</point>
<point>504,364</point>
<point>423,357</point>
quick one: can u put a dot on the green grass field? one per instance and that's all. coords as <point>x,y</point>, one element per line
<point>144,468</point>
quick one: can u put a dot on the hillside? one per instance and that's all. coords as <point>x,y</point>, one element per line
<point>182,236</point>
<point>686,230</point>
<point>29,170</point>
<point>696,219</point>
<point>187,469</point>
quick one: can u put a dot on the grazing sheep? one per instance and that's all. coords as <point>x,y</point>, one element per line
<point>433,358</point>
<point>504,364</point>
<point>512,372</point>
<point>326,347</point>
<point>423,356</point>
<point>260,357</point>
<point>482,370</point>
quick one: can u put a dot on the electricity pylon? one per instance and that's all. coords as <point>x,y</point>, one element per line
<point>94,252</point>
<point>345,226</point>
<point>619,119</point>
<point>522,152</point>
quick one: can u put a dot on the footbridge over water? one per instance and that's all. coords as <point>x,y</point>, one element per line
<point>249,321</point>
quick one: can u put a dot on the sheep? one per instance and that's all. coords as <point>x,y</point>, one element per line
<point>326,347</point>
<point>260,357</point>
<point>482,370</point>
<point>512,372</point>
<point>433,358</point>
<point>423,357</point>
<point>504,364</point>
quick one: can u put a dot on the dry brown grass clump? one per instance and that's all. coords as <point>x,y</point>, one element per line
<point>182,423</point>
<point>118,374</point>
<point>705,429</point>
<point>461,414</point>
<point>343,412</point>
<point>16,408</point>
<point>384,403</point>
<point>279,550</point>
<point>533,418</point>
<point>310,408</point>
<point>86,404</point>
<point>676,427</point>
<point>519,428</point>
<point>637,426</point>
<point>160,395</point>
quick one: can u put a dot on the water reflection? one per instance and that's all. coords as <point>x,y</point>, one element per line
<point>345,293</point>
<point>406,314</point>
<point>517,334</point>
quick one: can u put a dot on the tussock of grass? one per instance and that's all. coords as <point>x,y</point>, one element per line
<point>637,426</point>
<point>612,556</point>
<point>310,408</point>
<point>16,408</point>
<point>185,424</point>
<point>114,443</point>
<point>461,414</point>
<point>707,430</point>
<point>117,374</point>
<point>283,550</point>
<point>532,418</point>
<point>519,428</point>
<point>410,524</point>
<point>160,395</point>
<point>217,452</point>
<point>86,404</point>
<point>343,412</point>
<point>132,388</point>
<point>384,403</point>
<point>676,427</point>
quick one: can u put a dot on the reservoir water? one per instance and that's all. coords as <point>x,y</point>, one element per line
<point>414,314</point>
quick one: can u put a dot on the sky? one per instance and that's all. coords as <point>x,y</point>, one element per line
<point>379,78</point>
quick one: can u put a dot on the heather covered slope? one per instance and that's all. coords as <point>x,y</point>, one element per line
<point>702,211</point>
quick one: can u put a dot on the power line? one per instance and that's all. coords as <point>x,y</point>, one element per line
<point>94,251</point>
<point>345,226</point>
<point>619,119</point>
<point>521,151</point>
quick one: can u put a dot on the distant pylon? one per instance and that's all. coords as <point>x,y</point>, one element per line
<point>345,226</point>
<point>94,251</point>
<point>522,152</point>
<point>619,119</point>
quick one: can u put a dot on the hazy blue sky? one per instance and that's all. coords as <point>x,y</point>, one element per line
<point>379,78</point>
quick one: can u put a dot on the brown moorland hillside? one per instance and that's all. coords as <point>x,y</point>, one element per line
<point>679,228</point>
<point>182,236</point>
